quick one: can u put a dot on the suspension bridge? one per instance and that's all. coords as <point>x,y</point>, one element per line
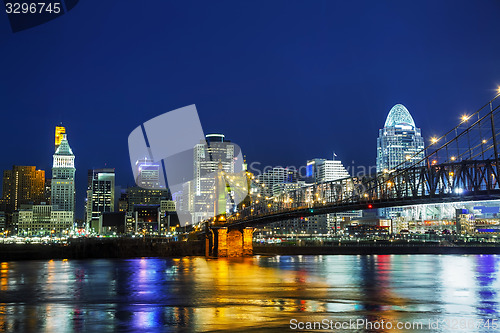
<point>461,165</point>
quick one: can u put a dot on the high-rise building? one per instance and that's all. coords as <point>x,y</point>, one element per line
<point>399,145</point>
<point>273,178</point>
<point>22,185</point>
<point>400,142</point>
<point>60,130</point>
<point>210,156</point>
<point>148,174</point>
<point>63,178</point>
<point>322,170</point>
<point>100,194</point>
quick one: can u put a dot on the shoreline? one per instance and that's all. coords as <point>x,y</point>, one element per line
<point>127,248</point>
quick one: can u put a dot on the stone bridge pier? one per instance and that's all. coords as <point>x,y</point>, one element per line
<point>229,242</point>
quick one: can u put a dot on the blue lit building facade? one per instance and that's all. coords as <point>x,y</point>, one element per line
<point>399,145</point>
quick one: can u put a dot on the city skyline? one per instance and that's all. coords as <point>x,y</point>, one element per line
<point>325,69</point>
<point>80,194</point>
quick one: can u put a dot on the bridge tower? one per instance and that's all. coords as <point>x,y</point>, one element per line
<point>229,242</point>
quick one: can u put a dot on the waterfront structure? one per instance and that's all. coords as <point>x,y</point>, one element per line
<point>3,221</point>
<point>137,200</point>
<point>41,220</point>
<point>22,185</point>
<point>399,145</point>
<point>100,195</point>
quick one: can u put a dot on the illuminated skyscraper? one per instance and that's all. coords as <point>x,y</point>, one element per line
<point>60,130</point>
<point>22,185</point>
<point>149,174</point>
<point>213,155</point>
<point>399,142</point>
<point>322,170</point>
<point>399,145</point>
<point>100,194</point>
<point>63,178</point>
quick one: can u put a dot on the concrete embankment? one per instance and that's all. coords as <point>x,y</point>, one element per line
<point>102,248</point>
<point>374,249</point>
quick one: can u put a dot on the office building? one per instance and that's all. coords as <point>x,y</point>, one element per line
<point>63,183</point>
<point>399,145</point>
<point>212,158</point>
<point>322,170</point>
<point>272,179</point>
<point>41,220</point>
<point>22,185</point>
<point>148,175</point>
<point>400,142</point>
<point>100,194</point>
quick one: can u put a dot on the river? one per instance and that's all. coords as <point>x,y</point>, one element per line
<point>262,293</point>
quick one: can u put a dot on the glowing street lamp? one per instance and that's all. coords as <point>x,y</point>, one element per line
<point>434,140</point>
<point>465,118</point>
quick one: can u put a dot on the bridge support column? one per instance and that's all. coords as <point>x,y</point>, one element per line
<point>248,241</point>
<point>234,243</point>
<point>221,242</point>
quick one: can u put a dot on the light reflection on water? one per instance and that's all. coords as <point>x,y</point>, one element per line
<point>250,294</point>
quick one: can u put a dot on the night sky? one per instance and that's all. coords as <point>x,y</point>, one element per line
<point>286,80</point>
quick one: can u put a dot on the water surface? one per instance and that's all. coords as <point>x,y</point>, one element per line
<point>251,294</point>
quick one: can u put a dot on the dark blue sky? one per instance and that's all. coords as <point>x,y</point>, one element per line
<point>286,80</point>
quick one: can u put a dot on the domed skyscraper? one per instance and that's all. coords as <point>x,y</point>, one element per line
<point>399,145</point>
<point>399,142</point>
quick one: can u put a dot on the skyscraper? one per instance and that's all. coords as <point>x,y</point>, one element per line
<point>399,145</point>
<point>400,142</point>
<point>210,156</point>
<point>322,170</point>
<point>148,174</point>
<point>22,185</point>
<point>100,194</point>
<point>63,178</point>
<point>274,177</point>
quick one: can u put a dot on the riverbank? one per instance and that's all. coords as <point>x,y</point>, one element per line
<point>95,248</point>
<point>102,248</point>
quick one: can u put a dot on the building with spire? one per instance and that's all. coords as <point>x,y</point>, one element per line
<point>54,218</point>
<point>60,130</point>
<point>63,180</point>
